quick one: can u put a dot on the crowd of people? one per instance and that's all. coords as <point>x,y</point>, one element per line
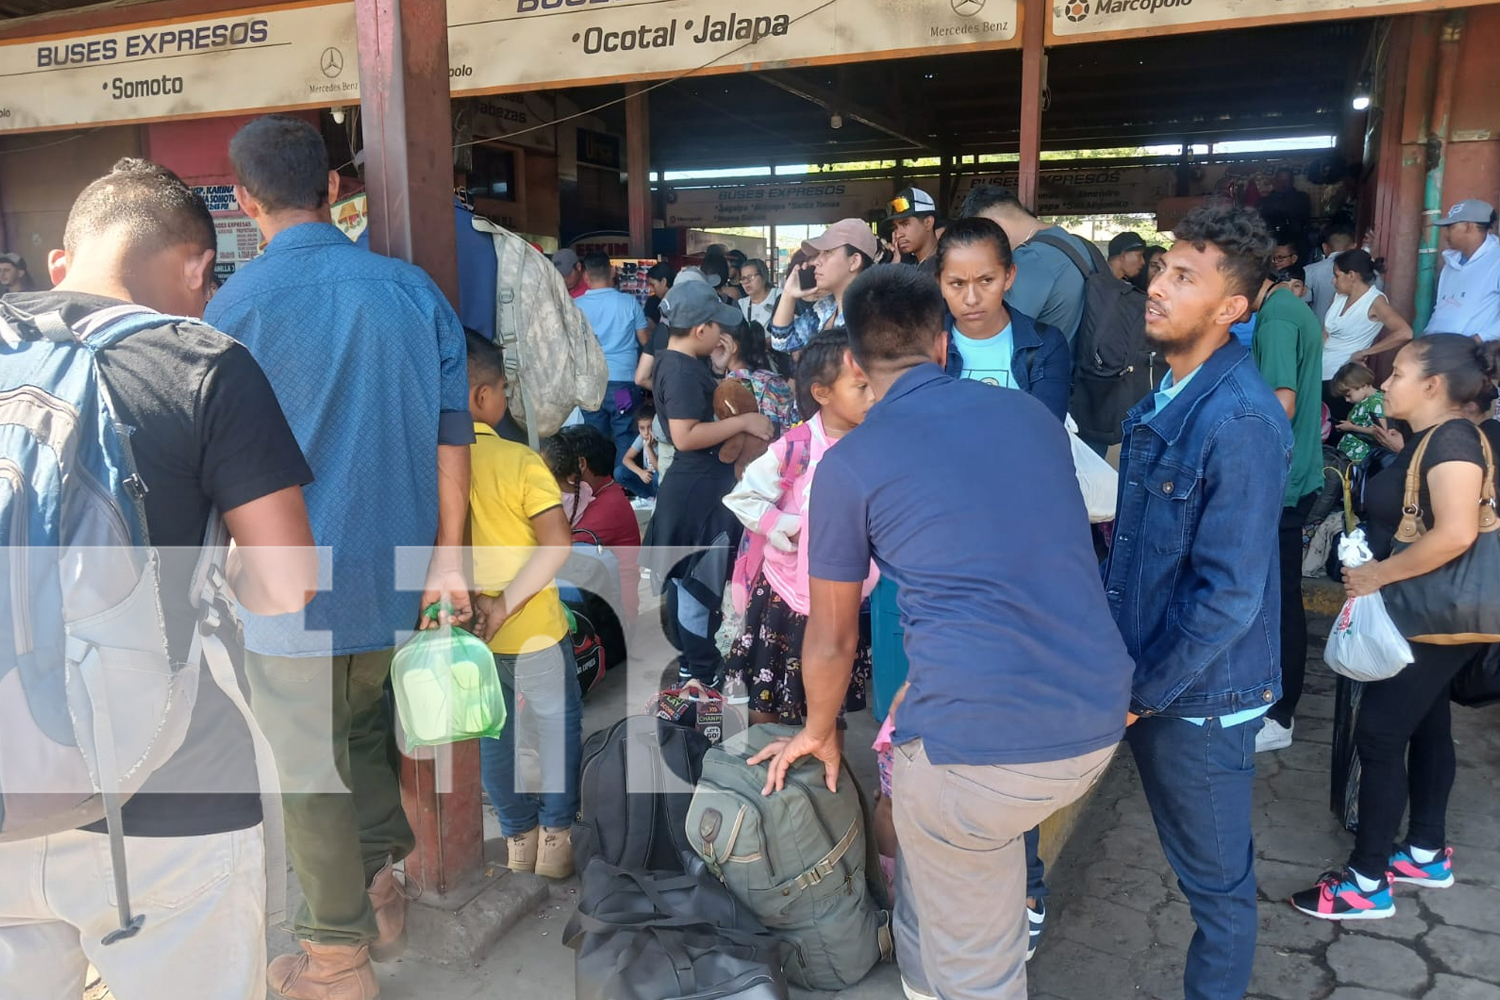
<point>840,419</point>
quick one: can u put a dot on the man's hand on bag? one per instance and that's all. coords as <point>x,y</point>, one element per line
<point>784,753</point>
<point>446,583</point>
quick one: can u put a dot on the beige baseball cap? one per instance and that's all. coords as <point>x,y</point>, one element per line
<point>845,232</point>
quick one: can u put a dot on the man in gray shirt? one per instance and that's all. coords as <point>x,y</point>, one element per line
<point>1048,287</point>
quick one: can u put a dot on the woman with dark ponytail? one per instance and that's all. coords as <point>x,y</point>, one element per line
<point>1359,315</point>
<point>1403,732</point>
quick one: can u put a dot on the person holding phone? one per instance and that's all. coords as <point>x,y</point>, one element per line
<point>846,250</point>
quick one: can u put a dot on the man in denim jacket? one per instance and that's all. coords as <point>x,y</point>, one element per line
<point>1193,582</point>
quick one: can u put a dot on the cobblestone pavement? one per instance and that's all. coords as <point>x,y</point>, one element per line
<point>1118,917</point>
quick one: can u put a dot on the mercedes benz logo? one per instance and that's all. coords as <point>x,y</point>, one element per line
<point>333,61</point>
<point>967,8</point>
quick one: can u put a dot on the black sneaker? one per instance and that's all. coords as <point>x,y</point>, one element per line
<point>1337,896</point>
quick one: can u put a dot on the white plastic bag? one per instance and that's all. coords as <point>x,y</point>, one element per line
<point>1097,479</point>
<point>1364,644</point>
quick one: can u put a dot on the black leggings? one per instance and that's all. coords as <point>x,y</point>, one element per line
<point>1405,740</point>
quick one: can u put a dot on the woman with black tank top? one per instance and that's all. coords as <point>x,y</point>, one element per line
<point>1403,732</point>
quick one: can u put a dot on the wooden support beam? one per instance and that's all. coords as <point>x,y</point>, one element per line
<point>1034,15</point>
<point>638,168</point>
<point>403,82</point>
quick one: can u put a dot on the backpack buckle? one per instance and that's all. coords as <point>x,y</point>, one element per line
<point>136,487</point>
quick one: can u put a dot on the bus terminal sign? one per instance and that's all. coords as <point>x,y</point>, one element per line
<point>307,56</point>
<point>279,58</point>
<point>1081,19</point>
<point>526,44</point>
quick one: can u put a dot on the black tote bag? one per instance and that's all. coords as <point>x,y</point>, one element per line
<point>1459,602</point>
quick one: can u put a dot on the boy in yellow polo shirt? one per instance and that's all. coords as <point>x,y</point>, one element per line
<point>521,539</point>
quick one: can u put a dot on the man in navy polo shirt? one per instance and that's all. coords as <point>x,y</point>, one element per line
<point>1019,684</point>
<point>1194,583</point>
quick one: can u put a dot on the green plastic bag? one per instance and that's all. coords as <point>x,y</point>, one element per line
<point>447,688</point>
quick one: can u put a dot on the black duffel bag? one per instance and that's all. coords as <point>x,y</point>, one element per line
<point>669,936</point>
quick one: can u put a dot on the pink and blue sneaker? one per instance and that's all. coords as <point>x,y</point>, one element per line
<point>1435,874</point>
<point>1339,896</point>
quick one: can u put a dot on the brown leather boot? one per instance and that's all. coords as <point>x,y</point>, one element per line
<point>324,972</point>
<point>389,894</point>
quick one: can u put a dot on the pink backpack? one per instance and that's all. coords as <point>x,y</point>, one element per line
<point>752,554</point>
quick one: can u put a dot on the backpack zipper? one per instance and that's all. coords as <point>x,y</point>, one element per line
<point>20,536</point>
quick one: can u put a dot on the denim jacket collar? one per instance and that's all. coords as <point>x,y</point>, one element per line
<point>1170,422</point>
<point>1023,332</point>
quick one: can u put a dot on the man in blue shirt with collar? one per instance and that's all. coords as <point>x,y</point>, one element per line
<point>367,359</point>
<point>621,327</point>
<point>1019,685</point>
<point>1193,581</point>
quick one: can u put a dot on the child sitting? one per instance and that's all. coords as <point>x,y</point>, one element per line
<point>562,461</point>
<point>771,501</point>
<point>637,472</point>
<point>1355,384</point>
<point>521,539</point>
<point>609,519</point>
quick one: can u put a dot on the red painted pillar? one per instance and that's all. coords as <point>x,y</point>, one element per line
<point>406,117</point>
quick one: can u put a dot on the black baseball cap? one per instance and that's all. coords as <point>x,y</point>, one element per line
<point>1124,243</point>
<point>911,202</point>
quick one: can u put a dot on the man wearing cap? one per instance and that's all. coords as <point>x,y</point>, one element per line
<point>845,250</point>
<point>913,220</point>
<point>689,514</point>
<point>571,268</point>
<point>1127,256</point>
<point>1468,295</point>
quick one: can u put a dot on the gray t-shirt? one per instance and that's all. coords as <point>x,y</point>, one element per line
<point>1048,287</point>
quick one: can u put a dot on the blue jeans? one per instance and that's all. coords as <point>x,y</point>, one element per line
<point>550,724</point>
<point>1199,782</point>
<point>615,418</point>
<point>635,484</point>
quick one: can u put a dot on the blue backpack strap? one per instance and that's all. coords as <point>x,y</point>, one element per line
<point>108,327</point>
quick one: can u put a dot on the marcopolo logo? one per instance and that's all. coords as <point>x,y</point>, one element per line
<point>1080,10</point>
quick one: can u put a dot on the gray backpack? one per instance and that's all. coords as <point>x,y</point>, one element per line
<point>798,859</point>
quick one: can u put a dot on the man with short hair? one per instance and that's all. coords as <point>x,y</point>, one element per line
<point>975,766</point>
<point>622,329</point>
<point>1319,275</point>
<point>571,268</point>
<point>1288,349</point>
<point>1192,582</point>
<point>1284,254</point>
<point>206,433</point>
<point>1048,287</point>
<point>913,220</point>
<point>1127,256</point>
<point>1468,295</point>
<point>13,276</point>
<point>368,360</point>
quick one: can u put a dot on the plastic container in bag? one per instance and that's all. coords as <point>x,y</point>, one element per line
<point>447,688</point>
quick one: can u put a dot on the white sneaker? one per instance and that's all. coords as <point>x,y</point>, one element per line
<point>1274,736</point>
<point>912,993</point>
